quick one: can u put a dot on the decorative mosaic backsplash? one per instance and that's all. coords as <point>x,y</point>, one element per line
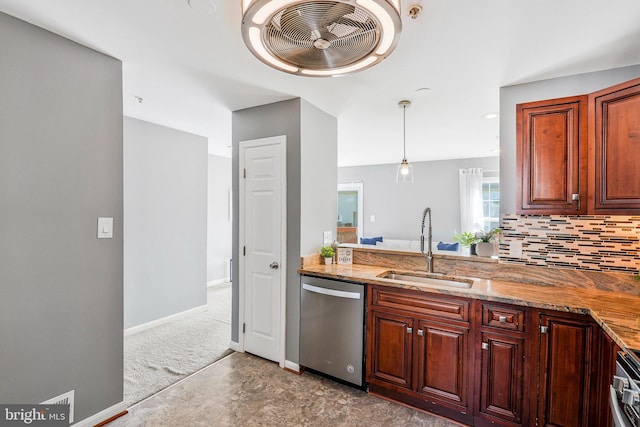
<point>601,243</point>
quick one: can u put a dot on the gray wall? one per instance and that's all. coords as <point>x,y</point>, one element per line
<point>580,84</point>
<point>398,207</point>
<point>60,169</point>
<point>318,204</point>
<point>319,177</point>
<point>281,118</point>
<point>218,220</point>
<point>165,211</point>
<point>311,190</point>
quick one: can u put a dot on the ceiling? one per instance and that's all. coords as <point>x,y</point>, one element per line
<point>191,68</point>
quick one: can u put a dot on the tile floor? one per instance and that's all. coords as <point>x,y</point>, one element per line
<point>245,390</point>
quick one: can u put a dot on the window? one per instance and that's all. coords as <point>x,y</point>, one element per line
<point>491,202</point>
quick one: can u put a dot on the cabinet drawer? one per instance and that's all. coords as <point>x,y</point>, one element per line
<point>421,303</point>
<point>503,317</point>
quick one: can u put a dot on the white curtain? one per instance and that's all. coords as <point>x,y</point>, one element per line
<point>471,215</point>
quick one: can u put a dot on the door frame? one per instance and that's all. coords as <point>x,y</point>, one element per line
<point>281,142</point>
<point>358,187</point>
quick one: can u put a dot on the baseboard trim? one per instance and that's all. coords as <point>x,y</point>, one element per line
<point>163,320</point>
<point>235,346</point>
<point>103,416</point>
<point>218,281</point>
<point>292,367</point>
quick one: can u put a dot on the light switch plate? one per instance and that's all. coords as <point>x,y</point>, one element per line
<point>327,238</point>
<point>105,228</point>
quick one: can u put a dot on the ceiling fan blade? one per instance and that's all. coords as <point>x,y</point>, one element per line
<point>321,34</point>
<point>335,12</point>
<point>298,19</point>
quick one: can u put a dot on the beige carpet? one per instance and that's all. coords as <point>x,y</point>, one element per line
<point>161,356</point>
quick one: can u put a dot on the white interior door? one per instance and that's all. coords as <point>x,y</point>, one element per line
<point>262,239</point>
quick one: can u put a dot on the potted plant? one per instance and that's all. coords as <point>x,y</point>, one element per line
<point>485,246</point>
<point>468,240</point>
<point>327,253</point>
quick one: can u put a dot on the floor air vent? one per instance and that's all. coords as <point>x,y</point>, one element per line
<point>63,399</point>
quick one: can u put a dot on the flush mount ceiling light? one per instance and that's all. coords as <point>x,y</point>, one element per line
<point>405,170</point>
<point>321,38</point>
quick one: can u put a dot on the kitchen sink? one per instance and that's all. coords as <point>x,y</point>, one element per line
<point>427,279</point>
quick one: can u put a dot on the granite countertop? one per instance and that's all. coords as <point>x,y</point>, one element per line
<point>617,313</point>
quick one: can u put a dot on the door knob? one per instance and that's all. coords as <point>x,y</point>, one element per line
<point>274,265</point>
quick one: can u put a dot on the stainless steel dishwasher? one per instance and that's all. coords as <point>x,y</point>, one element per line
<point>332,328</point>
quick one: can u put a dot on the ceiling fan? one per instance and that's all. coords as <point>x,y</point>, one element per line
<point>320,38</point>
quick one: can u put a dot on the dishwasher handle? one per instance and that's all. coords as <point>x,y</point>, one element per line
<point>331,292</point>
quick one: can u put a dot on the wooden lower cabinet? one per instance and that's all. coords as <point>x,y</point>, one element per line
<point>567,371</point>
<point>488,364</point>
<point>503,364</point>
<point>391,346</point>
<point>443,366</point>
<point>607,361</point>
<point>501,380</point>
<point>417,357</point>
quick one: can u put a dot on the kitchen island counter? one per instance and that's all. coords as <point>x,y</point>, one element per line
<point>617,313</point>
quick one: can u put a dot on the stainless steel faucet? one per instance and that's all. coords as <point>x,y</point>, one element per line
<point>429,255</point>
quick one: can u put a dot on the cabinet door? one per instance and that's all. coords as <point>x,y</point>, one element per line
<point>607,364</point>
<point>501,377</point>
<point>443,363</point>
<point>551,153</point>
<point>391,345</point>
<point>567,350</point>
<point>615,149</point>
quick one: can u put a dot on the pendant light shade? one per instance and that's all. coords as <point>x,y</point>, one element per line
<point>405,170</point>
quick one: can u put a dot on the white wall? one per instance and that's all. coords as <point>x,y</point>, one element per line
<point>398,207</point>
<point>165,221</point>
<point>218,219</point>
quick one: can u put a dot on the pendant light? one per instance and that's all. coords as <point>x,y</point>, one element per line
<point>405,170</point>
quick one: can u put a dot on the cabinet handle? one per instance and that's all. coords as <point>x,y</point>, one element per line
<point>485,346</point>
<point>502,319</point>
<point>420,332</point>
<point>576,197</point>
<point>409,330</point>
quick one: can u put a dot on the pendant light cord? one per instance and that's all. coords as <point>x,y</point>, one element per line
<point>404,132</point>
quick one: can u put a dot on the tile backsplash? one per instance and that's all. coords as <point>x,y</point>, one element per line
<point>598,243</point>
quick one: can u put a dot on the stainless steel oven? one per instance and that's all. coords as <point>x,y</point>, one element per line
<point>624,397</point>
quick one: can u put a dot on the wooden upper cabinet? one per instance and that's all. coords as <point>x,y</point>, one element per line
<point>551,152</point>
<point>614,149</point>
